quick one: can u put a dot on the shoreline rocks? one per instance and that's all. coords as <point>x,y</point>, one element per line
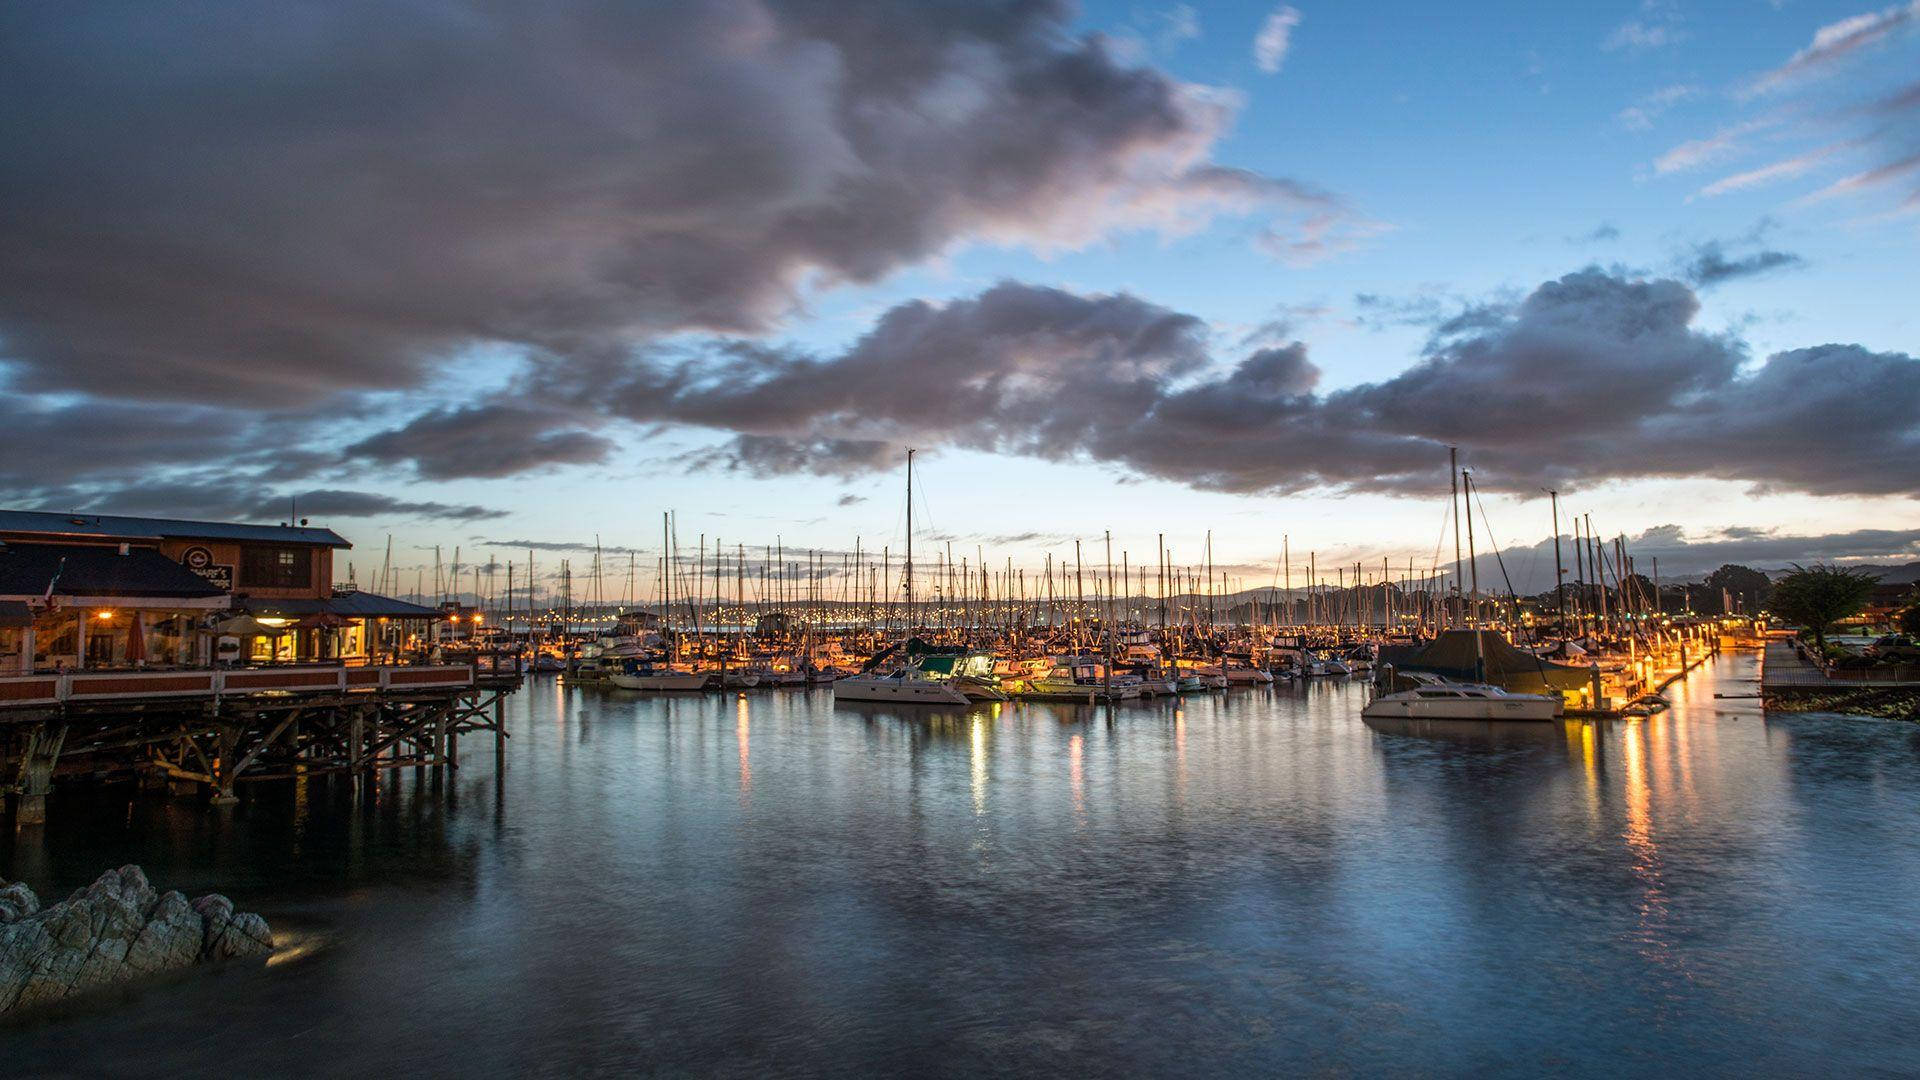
<point>117,930</point>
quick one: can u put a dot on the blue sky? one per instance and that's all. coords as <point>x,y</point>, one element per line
<point>1471,156</point>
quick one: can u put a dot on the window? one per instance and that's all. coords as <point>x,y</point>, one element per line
<point>276,568</point>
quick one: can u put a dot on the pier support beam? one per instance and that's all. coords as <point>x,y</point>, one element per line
<point>35,781</point>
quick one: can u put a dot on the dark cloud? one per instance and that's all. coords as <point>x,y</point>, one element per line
<point>563,545</point>
<point>332,503</point>
<point>1019,368</point>
<point>1530,565</point>
<point>221,202</point>
<point>1710,264</point>
<point>1592,377</point>
<point>485,441</point>
<point>850,500</point>
<point>237,499</point>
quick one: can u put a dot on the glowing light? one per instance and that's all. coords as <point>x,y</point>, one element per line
<point>271,620</point>
<point>103,616</point>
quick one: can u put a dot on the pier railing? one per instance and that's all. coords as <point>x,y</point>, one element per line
<point>78,687</point>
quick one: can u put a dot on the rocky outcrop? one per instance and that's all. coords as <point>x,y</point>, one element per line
<point>115,930</point>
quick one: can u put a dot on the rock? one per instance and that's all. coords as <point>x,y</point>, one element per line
<point>17,902</point>
<point>114,930</point>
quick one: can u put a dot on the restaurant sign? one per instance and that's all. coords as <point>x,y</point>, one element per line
<point>200,561</point>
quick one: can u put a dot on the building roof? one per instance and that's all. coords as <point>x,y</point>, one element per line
<point>111,527</point>
<point>27,570</point>
<point>355,605</point>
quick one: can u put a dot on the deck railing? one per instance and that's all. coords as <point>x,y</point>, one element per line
<point>77,687</point>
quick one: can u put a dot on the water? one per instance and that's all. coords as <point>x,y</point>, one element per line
<point>1249,884</point>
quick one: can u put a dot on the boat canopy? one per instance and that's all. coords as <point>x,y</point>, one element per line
<point>1453,655</point>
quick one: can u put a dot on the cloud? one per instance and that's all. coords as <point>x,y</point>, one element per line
<point>1275,38</point>
<point>1869,178</point>
<point>563,545</point>
<point>1710,265</point>
<point>1788,168</point>
<point>1640,115</point>
<point>850,500</point>
<point>1034,364</point>
<point>235,499</point>
<point>1657,27</point>
<point>1720,145</point>
<point>1175,25</point>
<point>1320,236</point>
<point>269,206</point>
<point>1605,232</point>
<point>1691,556</point>
<point>485,441</point>
<point>1592,377</point>
<point>1883,129</point>
<point>1835,42</point>
<point>1636,36</point>
<point>331,503</point>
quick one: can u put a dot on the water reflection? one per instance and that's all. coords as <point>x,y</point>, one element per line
<point>743,735</point>
<point>1255,883</point>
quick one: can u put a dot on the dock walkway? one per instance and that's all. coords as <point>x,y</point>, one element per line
<point>1783,668</point>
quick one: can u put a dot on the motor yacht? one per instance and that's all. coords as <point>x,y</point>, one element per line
<point>906,686</point>
<point>1438,699</point>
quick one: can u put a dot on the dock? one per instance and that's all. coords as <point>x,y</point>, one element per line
<point>1789,682</point>
<point>208,730</point>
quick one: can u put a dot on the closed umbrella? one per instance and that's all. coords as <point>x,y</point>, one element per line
<point>327,626</point>
<point>137,639</point>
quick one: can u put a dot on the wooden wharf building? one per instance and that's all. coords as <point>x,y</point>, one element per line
<point>197,655</point>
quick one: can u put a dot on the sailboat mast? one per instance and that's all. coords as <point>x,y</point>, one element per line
<point>1453,483</point>
<point>1559,569</point>
<point>909,627</point>
<point>1473,598</point>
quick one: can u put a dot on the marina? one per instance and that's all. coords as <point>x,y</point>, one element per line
<point>1256,881</point>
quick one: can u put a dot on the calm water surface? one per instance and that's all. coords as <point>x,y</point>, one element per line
<point>1253,883</point>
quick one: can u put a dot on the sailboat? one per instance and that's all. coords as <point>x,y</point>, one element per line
<point>1437,698</point>
<point>643,674</point>
<point>906,684</point>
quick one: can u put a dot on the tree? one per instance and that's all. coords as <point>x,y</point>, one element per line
<point>1910,618</point>
<point>1816,597</point>
<point>1743,582</point>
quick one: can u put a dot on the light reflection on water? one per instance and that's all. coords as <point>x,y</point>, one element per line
<point>1253,883</point>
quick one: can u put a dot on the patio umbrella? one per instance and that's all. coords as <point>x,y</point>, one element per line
<point>137,639</point>
<point>322,620</point>
<point>246,626</point>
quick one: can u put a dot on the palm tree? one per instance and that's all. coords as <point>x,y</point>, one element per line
<point>1816,597</point>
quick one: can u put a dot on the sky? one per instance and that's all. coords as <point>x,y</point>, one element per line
<point>501,277</point>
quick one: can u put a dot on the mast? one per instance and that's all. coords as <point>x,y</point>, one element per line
<point>909,627</point>
<point>666,584</point>
<point>1286,570</point>
<point>1160,541</point>
<point>1473,567</point>
<point>1559,569</point>
<point>1453,482</point>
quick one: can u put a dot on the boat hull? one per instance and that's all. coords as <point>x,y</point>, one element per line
<point>899,691</point>
<point>1517,707</point>
<point>673,680</point>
